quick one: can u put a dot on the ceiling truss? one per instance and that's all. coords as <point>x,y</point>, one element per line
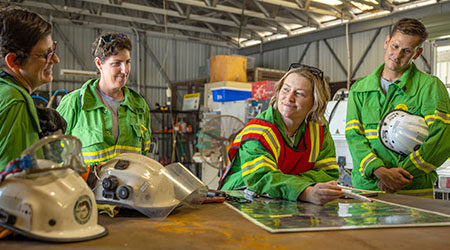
<point>229,23</point>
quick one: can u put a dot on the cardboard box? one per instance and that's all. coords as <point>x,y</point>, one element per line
<point>227,68</point>
<point>263,90</point>
<point>226,94</point>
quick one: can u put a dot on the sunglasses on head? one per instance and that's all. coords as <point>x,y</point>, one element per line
<point>313,70</point>
<point>108,39</point>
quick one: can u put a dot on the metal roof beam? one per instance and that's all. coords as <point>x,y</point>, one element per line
<point>123,18</point>
<point>199,18</point>
<point>354,27</point>
<point>234,10</point>
<point>295,6</point>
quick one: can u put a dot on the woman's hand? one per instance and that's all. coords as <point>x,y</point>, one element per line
<point>321,193</point>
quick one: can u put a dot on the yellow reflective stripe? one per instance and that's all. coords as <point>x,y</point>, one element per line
<point>425,193</point>
<point>108,153</point>
<point>268,135</point>
<point>146,145</point>
<point>371,133</point>
<point>326,164</point>
<point>368,159</point>
<point>445,118</point>
<point>429,119</point>
<point>97,159</point>
<point>420,163</point>
<point>252,166</point>
<point>98,152</point>
<point>354,124</point>
<point>315,141</point>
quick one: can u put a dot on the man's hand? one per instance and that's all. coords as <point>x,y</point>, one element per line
<point>383,187</point>
<point>321,193</point>
<point>392,179</point>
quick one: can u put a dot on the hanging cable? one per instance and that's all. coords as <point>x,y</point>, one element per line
<point>40,97</point>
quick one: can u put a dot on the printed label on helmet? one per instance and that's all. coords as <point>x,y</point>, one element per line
<point>83,209</point>
<point>144,186</point>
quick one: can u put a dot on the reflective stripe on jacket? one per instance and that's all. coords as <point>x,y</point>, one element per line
<point>263,160</point>
<point>90,120</point>
<point>288,160</point>
<point>416,92</point>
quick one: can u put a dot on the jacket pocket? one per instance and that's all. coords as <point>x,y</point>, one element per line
<point>89,136</point>
<point>370,115</point>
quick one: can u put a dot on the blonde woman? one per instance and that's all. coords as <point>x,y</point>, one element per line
<point>287,151</point>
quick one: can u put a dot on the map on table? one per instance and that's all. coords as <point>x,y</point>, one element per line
<point>286,216</point>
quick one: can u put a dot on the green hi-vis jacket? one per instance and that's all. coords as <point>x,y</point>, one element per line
<point>90,120</point>
<point>19,122</point>
<point>416,92</point>
<point>265,179</point>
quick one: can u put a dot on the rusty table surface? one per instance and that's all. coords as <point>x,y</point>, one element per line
<point>216,226</point>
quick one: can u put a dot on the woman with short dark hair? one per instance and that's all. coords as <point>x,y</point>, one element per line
<point>108,117</point>
<point>27,56</point>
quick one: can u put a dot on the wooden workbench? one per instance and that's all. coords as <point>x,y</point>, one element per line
<point>216,226</point>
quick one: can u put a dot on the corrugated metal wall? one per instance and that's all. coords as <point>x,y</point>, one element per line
<point>319,55</point>
<point>181,60</point>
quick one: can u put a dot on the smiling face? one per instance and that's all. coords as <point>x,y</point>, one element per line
<point>114,71</point>
<point>295,98</point>
<point>400,50</point>
<point>36,71</point>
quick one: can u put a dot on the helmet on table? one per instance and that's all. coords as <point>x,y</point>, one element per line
<point>43,197</point>
<point>143,184</point>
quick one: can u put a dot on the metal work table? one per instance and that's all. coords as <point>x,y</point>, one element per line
<point>216,226</point>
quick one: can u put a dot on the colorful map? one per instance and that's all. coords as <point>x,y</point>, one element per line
<point>286,216</point>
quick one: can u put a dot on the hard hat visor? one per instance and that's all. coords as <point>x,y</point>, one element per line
<point>55,206</point>
<point>138,182</point>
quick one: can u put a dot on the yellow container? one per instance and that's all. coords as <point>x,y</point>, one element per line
<point>227,68</point>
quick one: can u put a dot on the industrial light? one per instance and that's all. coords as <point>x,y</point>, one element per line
<point>362,6</point>
<point>74,72</point>
<point>250,43</point>
<point>329,2</point>
<point>303,30</point>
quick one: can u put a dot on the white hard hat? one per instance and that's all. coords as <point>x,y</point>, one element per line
<point>50,201</point>
<point>402,132</point>
<point>138,182</point>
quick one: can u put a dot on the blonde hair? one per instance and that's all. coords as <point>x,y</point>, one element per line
<point>321,94</point>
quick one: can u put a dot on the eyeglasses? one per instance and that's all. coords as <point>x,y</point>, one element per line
<point>107,39</point>
<point>313,70</point>
<point>49,55</point>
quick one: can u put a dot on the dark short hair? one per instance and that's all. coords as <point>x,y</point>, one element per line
<point>412,27</point>
<point>20,30</point>
<point>115,43</point>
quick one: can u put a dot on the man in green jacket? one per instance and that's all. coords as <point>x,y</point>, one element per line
<point>26,60</point>
<point>108,117</point>
<point>398,84</point>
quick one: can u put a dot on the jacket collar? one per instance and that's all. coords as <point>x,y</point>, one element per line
<point>29,101</point>
<point>90,99</point>
<point>372,81</point>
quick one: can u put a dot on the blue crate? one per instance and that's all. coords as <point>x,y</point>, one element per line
<point>225,94</point>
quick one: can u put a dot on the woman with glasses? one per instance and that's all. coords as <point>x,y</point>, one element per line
<point>287,151</point>
<point>108,117</point>
<point>27,56</point>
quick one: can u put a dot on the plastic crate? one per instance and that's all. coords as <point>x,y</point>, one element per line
<point>225,94</point>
